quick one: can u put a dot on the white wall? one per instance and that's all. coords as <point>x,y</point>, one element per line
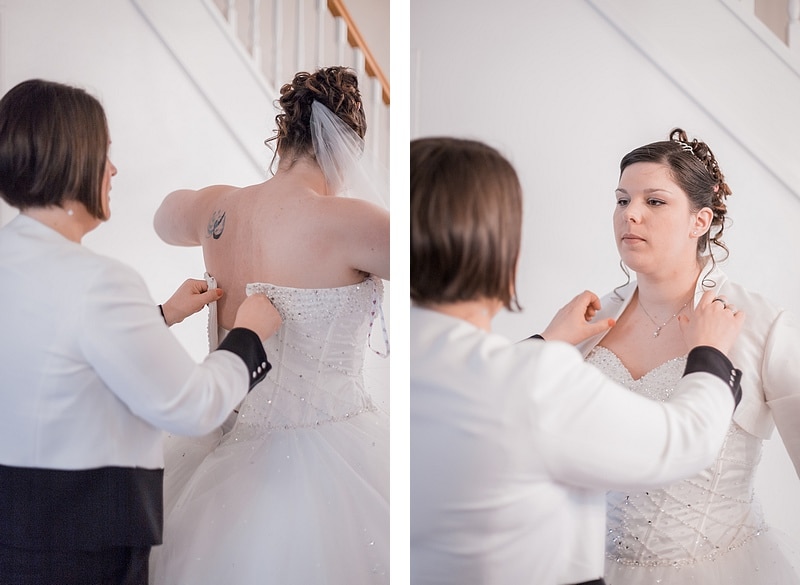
<point>563,95</point>
<point>166,134</point>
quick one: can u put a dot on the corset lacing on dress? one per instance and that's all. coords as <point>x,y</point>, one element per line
<point>329,328</point>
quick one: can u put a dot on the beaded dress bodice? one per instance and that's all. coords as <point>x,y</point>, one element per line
<point>696,519</point>
<point>317,358</point>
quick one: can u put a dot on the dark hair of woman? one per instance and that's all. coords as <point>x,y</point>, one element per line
<point>334,87</point>
<point>53,146</point>
<point>694,168</point>
<point>466,222</point>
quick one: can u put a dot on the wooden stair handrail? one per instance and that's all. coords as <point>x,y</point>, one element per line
<point>355,39</point>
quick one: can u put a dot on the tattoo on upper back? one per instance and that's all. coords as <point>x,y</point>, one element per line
<point>216,224</point>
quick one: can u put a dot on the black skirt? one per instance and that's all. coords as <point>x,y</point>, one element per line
<point>113,566</point>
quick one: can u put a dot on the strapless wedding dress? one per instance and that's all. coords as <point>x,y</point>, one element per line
<point>705,530</point>
<point>298,491</point>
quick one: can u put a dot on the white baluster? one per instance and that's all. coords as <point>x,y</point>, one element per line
<point>300,37</point>
<point>277,42</point>
<point>231,15</point>
<point>341,39</point>
<point>359,62</point>
<point>374,129</point>
<point>793,27</point>
<point>322,11</point>
<point>255,31</point>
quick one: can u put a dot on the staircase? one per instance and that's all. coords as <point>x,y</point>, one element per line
<point>748,79</point>
<point>251,48</point>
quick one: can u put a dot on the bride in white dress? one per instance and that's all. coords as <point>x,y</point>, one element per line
<point>297,491</point>
<point>708,529</point>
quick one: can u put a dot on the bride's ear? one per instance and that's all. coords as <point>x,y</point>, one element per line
<point>702,221</point>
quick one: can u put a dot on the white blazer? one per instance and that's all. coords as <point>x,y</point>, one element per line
<point>767,351</point>
<point>513,446</point>
<point>90,373</point>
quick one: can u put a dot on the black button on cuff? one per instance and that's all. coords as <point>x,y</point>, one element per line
<point>709,359</point>
<point>246,344</point>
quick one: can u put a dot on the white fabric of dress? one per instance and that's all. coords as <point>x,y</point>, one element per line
<point>298,491</point>
<point>707,529</point>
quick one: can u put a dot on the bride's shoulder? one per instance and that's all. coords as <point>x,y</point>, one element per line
<point>216,190</point>
<point>351,211</point>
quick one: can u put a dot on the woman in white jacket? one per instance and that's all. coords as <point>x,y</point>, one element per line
<point>514,444</point>
<point>669,219</point>
<point>90,372</point>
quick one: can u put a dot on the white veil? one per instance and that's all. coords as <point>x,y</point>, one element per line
<point>348,169</point>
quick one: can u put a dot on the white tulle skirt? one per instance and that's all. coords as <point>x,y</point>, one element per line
<point>305,506</point>
<point>765,559</point>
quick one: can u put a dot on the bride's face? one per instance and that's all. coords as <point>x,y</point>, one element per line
<point>654,226</point>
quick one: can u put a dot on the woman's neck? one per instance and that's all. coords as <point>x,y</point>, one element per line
<point>668,290</point>
<point>304,170</point>
<point>72,221</point>
<point>478,312</point>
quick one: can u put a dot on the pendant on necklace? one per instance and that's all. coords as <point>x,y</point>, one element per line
<point>657,332</point>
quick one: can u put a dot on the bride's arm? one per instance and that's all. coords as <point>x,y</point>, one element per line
<point>781,381</point>
<point>183,217</point>
<point>363,229</point>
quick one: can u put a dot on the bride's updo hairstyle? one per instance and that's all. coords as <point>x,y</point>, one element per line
<point>693,166</point>
<point>334,87</point>
<point>466,223</point>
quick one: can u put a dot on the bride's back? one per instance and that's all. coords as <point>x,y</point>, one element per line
<point>291,230</point>
<point>284,232</point>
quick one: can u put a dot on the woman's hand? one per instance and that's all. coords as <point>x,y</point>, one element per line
<point>190,297</point>
<point>258,314</point>
<point>713,322</point>
<point>573,324</point>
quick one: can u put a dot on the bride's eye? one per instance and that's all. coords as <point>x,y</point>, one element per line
<point>655,202</point>
<point>622,202</point>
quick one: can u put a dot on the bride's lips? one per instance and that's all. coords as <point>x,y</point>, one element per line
<point>632,238</point>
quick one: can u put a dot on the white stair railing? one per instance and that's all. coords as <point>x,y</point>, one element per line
<point>285,37</point>
<point>785,41</point>
<point>727,62</point>
<point>793,27</point>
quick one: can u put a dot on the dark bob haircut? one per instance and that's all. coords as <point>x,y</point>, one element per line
<point>53,146</point>
<point>466,223</point>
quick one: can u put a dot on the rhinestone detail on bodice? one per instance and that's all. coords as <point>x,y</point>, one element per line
<point>317,359</point>
<point>689,521</point>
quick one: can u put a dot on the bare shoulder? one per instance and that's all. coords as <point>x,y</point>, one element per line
<point>349,218</point>
<point>361,229</point>
<point>351,209</point>
<point>207,195</point>
<point>183,216</point>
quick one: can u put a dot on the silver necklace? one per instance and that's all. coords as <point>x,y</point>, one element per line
<point>664,324</point>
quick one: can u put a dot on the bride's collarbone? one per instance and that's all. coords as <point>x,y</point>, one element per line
<point>640,350</point>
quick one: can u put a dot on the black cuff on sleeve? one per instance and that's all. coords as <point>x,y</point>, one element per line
<point>246,344</point>
<point>537,336</point>
<point>161,308</point>
<point>709,359</point>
